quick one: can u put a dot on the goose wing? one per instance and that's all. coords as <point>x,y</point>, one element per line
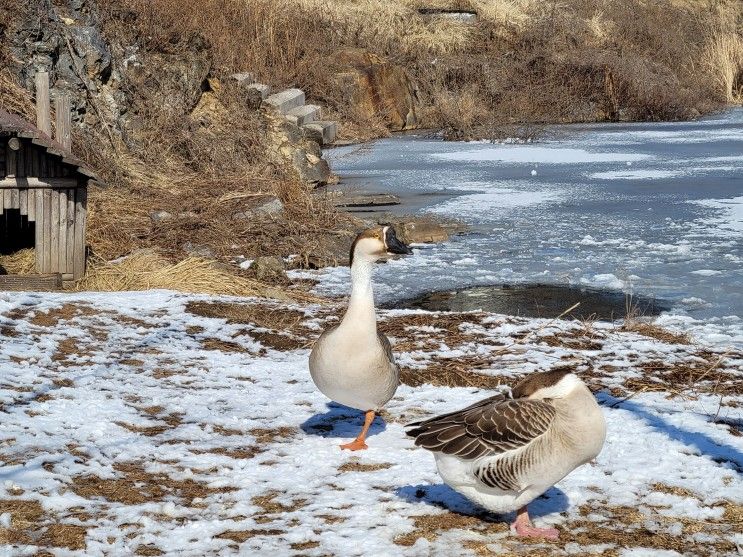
<point>387,347</point>
<point>490,427</point>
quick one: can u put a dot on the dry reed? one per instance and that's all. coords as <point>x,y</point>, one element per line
<point>22,262</point>
<point>148,270</point>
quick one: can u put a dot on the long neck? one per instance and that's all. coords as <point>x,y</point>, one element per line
<point>360,313</point>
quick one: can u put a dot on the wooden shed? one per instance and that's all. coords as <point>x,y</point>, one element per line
<point>43,201</point>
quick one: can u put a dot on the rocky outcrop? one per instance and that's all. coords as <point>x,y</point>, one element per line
<point>64,39</point>
<point>288,144</point>
<point>377,87</point>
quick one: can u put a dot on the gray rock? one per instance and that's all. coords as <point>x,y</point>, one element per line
<point>270,207</point>
<point>269,269</point>
<point>310,168</point>
<point>160,216</point>
<point>198,251</point>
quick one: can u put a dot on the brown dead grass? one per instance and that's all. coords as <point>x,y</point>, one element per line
<point>240,536</point>
<point>430,526</point>
<point>134,486</point>
<point>451,372</point>
<point>703,372</point>
<point>262,315</point>
<point>655,331</point>
<point>64,535</point>
<point>30,525</point>
<point>148,270</point>
<point>222,345</point>
<point>355,465</point>
<point>269,506</point>
<point>65,312</point>
<point>267,436</point>
<point>148,550</point>
<point>21,262</point>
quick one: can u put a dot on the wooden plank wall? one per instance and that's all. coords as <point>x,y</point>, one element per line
<point>59,213</point>
<point>31,161</point>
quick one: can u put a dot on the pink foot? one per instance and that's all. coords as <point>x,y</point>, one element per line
<point>530,531</point>
<point>526,529</point>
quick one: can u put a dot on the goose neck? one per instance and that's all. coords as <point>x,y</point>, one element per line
<point>360,312</point>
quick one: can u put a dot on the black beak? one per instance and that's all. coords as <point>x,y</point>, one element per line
<point>394,245</point>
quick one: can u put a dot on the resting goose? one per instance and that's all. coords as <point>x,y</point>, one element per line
<point>506,450</point>
<point>352,363</point>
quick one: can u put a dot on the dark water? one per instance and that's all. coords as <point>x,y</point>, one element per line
<point>538,300</point>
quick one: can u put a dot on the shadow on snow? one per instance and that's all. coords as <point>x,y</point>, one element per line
<point>442,496</point>
<point>704,444</point>
<point>341,421</point>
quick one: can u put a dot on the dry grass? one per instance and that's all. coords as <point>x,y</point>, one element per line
<point>147,270</point>
<point>355,465</point>
<point>134,486</point>
<point>722,58</point>
<point>651,330</point>
<point>430,526</point>
<point>22,262</point>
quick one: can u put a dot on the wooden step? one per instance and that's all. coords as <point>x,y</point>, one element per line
<point>323,132</point>
<point>40,283</point>
<point>285,100</point>
<point>304,114</point>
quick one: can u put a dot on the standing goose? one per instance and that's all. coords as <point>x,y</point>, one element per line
<point>352,363</point>
<point>506,450</point>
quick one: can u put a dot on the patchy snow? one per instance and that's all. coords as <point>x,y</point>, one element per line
<point>146,426</point>
<point>728,215</point>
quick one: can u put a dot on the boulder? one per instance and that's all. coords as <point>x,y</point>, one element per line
<point>269,269</point>
<point>377,87</point>
<point>421,232</point>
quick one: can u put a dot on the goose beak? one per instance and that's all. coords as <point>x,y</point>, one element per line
<point>394,245</point>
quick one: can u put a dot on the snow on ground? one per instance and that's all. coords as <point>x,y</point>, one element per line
<point>157,423</point>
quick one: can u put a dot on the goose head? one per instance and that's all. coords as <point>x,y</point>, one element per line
<point>547,384</point>
<point>376,244</point>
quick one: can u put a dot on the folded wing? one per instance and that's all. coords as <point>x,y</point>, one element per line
<point>490,427</point>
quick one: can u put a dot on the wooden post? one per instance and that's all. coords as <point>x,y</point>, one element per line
<point>81,205</point>
<point>63,120</point>
<point>43,119</point>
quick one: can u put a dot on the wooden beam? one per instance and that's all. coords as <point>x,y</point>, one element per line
<point>10,162</point>
<point>81,207</point>
<point>24,202</point>
<point>62,233</point>
<point>32,205</point>
<point>54,233</point>
<point>24,183</point>
<point>31,282</point>
<point>15,199</point>
<point>70,231</point>
<point>43,119</point>
<point>39,240</point>
<point>47,195</point>
<point>63,120</point>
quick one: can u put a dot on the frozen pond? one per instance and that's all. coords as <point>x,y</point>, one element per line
<point>652,209</point>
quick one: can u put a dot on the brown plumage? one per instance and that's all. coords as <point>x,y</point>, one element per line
<point>491,426</point>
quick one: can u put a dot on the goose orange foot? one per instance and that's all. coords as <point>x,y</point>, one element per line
<point>355,445</point>
<point>526,529</point>
<point>358,444</point>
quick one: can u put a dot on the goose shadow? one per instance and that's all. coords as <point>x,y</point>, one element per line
<point>342,422</point>
<point>724,455</point>
<point>442,496</point>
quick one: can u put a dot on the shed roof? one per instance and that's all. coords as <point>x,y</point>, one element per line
<point>14,125</point>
